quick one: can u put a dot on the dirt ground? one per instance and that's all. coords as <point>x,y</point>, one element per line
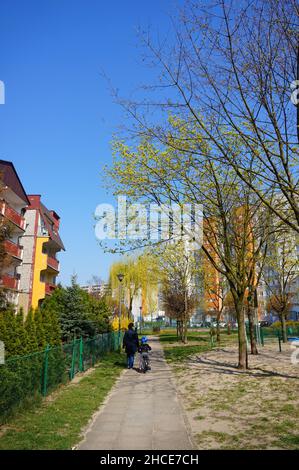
<point>232,409</point>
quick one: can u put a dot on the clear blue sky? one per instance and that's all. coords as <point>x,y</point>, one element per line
<point>59,117</point>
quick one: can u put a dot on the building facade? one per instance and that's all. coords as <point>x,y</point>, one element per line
<point>13,202</point>
<point>41,242</point>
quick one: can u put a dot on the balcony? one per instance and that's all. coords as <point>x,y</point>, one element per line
<point>9,282</point>
<point>13,249</point>
<point>53,263</point>
<point>50,288</point>
<point>12,215</point>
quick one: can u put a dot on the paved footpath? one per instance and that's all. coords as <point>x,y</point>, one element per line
<point>142,412</point>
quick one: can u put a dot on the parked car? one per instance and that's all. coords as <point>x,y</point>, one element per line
<point>222,324</point>
<point>264,323</point>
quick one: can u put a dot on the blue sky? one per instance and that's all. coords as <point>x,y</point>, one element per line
<point>59,117</point>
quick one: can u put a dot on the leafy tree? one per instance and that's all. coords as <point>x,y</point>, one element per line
<point>178,271</point>
<point>139,278</point>
<point>235,225</point>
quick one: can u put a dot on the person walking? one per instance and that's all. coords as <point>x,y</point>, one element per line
<point>130,344</point>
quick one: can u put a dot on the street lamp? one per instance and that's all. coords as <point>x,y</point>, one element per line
<point>120,277</point>
<point>140,317</point>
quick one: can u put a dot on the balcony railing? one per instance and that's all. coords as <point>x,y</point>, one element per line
<point>12,215</point>
<point>13,249</point>
<point>53,263</point>
<point>50,288</point>
<point>9,282</point>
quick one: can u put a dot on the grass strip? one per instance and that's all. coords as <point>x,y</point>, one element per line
<point>56,424</point>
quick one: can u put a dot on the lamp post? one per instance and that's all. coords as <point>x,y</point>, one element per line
<point>120,277</point>
<point>140,317</point>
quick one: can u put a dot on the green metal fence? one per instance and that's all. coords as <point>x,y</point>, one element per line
<point>273,334</point>
<point>26,378</point>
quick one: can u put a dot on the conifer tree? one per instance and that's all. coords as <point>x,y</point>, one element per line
<point>21,333</point>
<point>31,331</point>
<point>40,329</point>
<point>51,326</point>
<point>11,339</point>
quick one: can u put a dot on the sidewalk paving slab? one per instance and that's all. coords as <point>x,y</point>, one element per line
<point>142,412</point>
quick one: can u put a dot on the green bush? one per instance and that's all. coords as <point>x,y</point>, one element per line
<point>292,324</point>
<point>20,382</point>
<point>22,378</point>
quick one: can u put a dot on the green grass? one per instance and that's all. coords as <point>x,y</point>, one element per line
<point>198,342</point>
<point>180,353</point>
<point>57,424</point>
<point>171,337</point>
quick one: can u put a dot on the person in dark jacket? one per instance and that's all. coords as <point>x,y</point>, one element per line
<point>130,343</point>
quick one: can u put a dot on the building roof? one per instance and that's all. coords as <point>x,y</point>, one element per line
<point>11,179</point>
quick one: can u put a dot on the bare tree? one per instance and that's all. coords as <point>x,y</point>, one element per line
<point>228,75</point>
<point>280,275</point>
<point>215,290</point>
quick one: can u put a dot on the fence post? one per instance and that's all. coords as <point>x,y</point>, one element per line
<point>45,375</point>
<point>72,373</point>
<point>93,351</point>
<point>81,362</point>
<point>262,336</point>
<point>116,345</point>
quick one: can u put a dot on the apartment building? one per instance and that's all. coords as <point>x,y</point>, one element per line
<point>97,290</point>
<point>42,243</point>
<point>13,203</point>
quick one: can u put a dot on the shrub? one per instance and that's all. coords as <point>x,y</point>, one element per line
<point>293,324</point>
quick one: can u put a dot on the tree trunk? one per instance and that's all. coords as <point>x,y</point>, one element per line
<point>218,330</point>
<point>243,362</point>
<point>180,330</point>
<point>130,308</point>
<point>184,329</point>
<point>284,328</point>
<point>253,346</point>
<point>185,332</point>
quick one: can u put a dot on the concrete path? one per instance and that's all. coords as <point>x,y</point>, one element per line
<point>142,412</point>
